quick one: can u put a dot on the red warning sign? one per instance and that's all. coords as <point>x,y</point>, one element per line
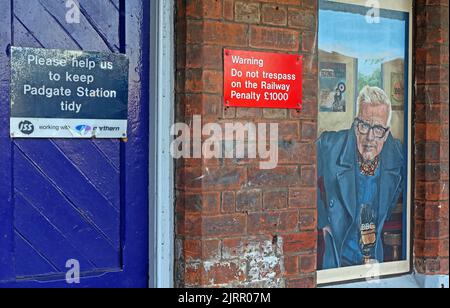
<point>262,80</point>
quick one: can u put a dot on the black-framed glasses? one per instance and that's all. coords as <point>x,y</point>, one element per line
<point>364,128</point>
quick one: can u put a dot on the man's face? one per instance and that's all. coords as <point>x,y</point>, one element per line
<point>370,145</point>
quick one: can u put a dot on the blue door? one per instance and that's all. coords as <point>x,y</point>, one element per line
<point>64,202</point>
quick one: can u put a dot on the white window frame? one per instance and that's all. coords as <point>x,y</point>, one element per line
<point>392,268</point>
<point>162,96</point>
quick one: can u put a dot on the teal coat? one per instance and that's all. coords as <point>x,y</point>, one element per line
<point>337,196</point>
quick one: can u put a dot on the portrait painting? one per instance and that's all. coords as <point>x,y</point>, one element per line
<point>362,159</point>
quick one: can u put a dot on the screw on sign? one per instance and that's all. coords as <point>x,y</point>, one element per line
<point>262,80</point>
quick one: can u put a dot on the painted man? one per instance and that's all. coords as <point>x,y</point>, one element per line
<point>361,177</point>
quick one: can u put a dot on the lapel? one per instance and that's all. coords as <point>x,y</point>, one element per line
<point>346,175</point>
<point>391,176</point>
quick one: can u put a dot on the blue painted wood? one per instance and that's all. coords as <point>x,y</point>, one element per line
<point>82,199</point>
<point>6,205</point>
<point>49,243</point>
<point>67,178</point>
<point>34,262</point>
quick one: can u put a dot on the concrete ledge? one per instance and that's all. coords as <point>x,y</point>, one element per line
<point>413,281</point>
<point>403,282</point>
<point>432,282</point>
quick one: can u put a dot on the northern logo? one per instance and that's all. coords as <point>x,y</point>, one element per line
<point>83,130</point>
<point>26,127</point>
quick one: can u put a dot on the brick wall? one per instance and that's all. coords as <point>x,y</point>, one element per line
<point>238,225</point>
<point>431,140</point>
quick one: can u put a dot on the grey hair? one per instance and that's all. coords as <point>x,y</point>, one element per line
<point>375,96</point>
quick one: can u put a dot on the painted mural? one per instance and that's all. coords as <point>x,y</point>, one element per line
<point>362,155</point>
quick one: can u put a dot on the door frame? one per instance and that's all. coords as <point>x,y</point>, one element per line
<point>161,163</point>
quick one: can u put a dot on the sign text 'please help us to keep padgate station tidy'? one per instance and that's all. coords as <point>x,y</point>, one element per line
<point>262,80</point>
<point>68,94</point>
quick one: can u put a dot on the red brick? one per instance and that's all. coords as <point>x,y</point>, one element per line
<point>306,282</point>
<point>281,176</point>
<point>192,274</point>
<point>307,220</point>
<point>206,203</point>
<point>308,176</point>
<point>274,200</point>
<point>228,202</point>
<point>249,12</point>
<point>205,57</point>
<point>217,33</point>
<point>249,200</point>
<point>228,9</point>
<point>275,15</point>
<point>308,264</point>
<point>292,152</point>
<point>302,19</point>
<point>225,225</point>
<point>432,191</point>
<point>214,178</point>
<point>198,250</point>
<point>204,9</point>
<point>309,131</point>
<point>199,81</point>
<point>296,243</point>
<point>238,247</point>
<point>431,248</point>
<point>291,266</point>
<point>302,198</point>
<point>263,223</point>
<point>274,38</point>
<point>207,105</point>
<point>224,273</point>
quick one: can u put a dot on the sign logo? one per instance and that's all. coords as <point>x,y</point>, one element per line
<point>83,130</point>
<point>26,127</point>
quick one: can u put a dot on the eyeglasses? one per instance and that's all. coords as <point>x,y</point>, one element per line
<point>364,128</point>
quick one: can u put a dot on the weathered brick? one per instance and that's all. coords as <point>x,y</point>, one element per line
<point>281,176</point>
<point>227,272</point>
<point>214,178</point>
<point>199,250</point>
<point>308,131</point>
<point>302,19</point>
<point>307,220</point>
<point>291,266</point>
<point>263,223</point>
<point>228,9</point>
<point>228,202</point>
<point>225,225</point>
<point>302,198</point>
<point>274,38</point>
<point>231,205</point>
<point>276,199</point>
<point>296,243</point>
<point>206,203</point>
<point>249,200</point>
<point>204,9</point>
<point>301,283</point>
<point>275,15</point>
<point>249,12</point>
<point>217,33</point>
<point>308,264</point>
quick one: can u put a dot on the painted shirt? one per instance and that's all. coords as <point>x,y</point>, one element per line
<point>366,213</point>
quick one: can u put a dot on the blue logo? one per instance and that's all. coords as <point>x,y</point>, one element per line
<point>83,130</point>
